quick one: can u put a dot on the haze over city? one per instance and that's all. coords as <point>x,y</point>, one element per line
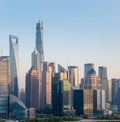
<point>74,32</point>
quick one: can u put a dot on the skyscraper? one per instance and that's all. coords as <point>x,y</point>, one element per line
<point>104,80</point>
<point>14,64</point>
<point>38,54</point>
<point>39,42</point>
<point>73,76</point>
<point>32,89</point>
<point>4,86</point>
<point>61,94</point>
<point>47,74</point>
<point>87,68</point>
<point>85,102</point>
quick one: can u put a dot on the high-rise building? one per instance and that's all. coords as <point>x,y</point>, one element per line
<point>103,80</point>
<point>87,68</point>
<point>47,74</point>
<point>115,93</point>
<point>39,42</point>
<point>85,102</point>
<point>92,81</point>
<point>61,94</point>
<point>38,55</point>
<point>14,64</point>
<point>109,90</point>
<point>32,89</point>
<point>4,86</point>
<point>73,76</point>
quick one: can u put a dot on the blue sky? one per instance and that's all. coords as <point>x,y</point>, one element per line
<point>75,32</point>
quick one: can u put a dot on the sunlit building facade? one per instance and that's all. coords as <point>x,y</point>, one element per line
<point>14,64</point>
<point>85,102</point>
<point>109,90</point>
<point>4,86</point>
<point>47,74</point>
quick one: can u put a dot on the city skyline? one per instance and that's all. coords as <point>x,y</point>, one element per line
<point>75,33</point>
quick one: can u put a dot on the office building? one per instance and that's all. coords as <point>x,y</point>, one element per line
<point>115,91</point>
<point>103,80</point>
<point>39,42</point>
<point>14,64</point>
<point>38,55</point>
<point>4,86</point>
<point>32,89</point>
<point>100,100</point>
<point>47,74</point>
<point>85,102</point>
<point>87,68</point>
<point>110,91</point>
<point>61,94</point>
<point>92,81</point>
<point>73,76</point>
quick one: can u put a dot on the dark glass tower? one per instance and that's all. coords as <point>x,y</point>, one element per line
<point>14,59</point>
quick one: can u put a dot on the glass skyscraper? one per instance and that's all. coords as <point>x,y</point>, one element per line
<point>14,59</point>
<point>39,42</point>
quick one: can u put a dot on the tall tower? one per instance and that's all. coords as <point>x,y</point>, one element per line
<point>13,42</point>
<point>104,80</point>
<point>39,42</point>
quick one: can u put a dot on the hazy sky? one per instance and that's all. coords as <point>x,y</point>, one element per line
<point>75,32</point>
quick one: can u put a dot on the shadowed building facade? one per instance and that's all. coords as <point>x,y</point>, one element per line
<point>61,94</point>
<point>85,102</point>
<point>32,89</point>
<point>14,64</point>
<point>103,80</point>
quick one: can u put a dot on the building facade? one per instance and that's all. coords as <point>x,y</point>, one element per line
<point>32,89</point>
<point>14,64</point>
<point>4,86</point>
<point>103,80</point>
<point>87,68</point>
<point>61,94</point>
<point>73,76</point>
<point>47,74</point>
<point>85,102</point>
